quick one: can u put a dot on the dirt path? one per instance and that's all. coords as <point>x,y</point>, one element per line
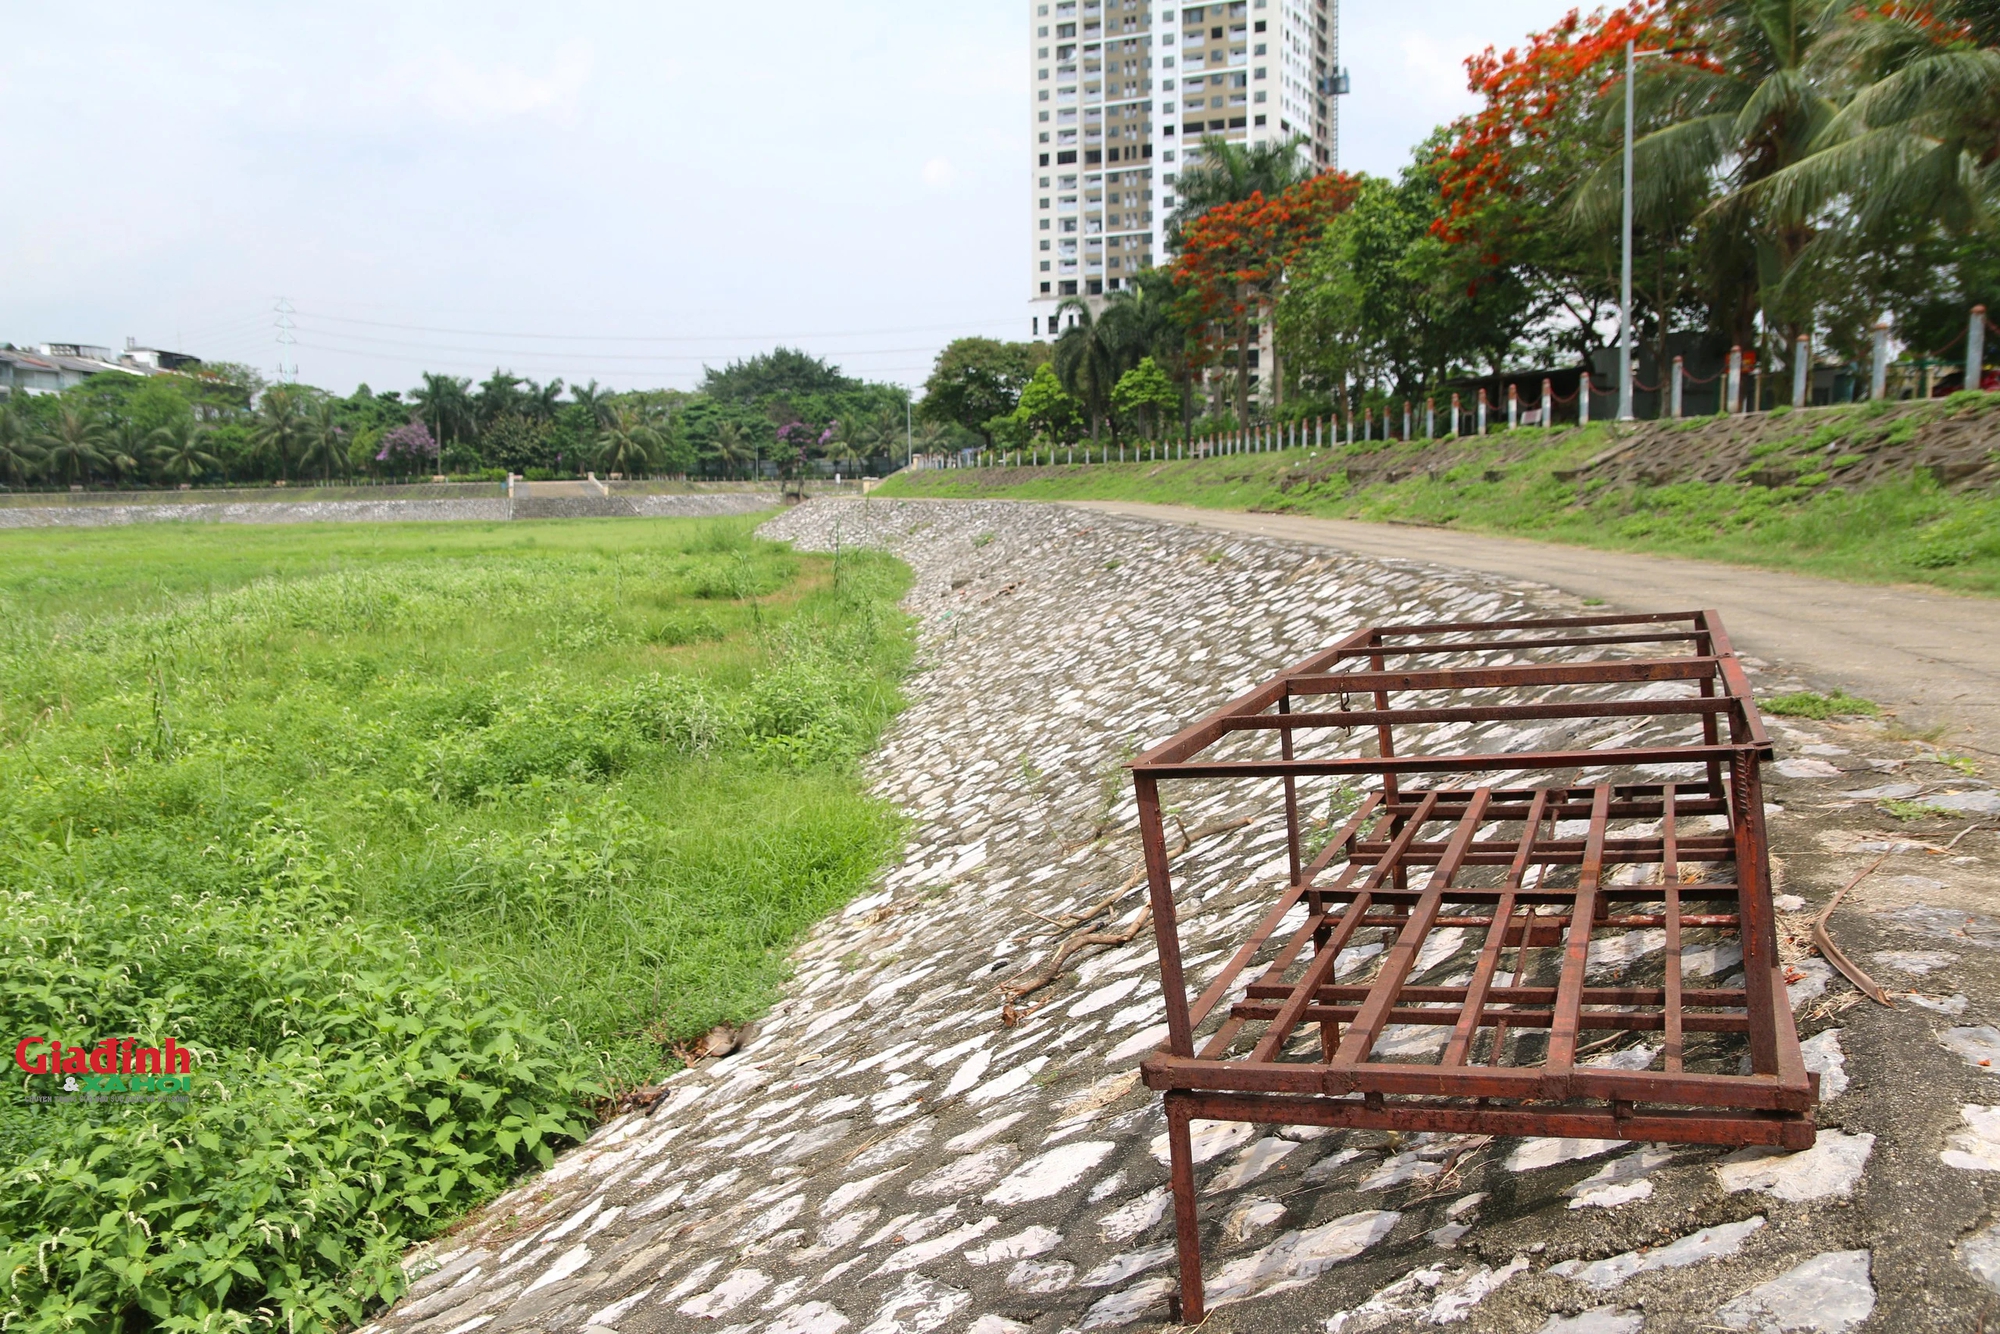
<point>1932,658</point>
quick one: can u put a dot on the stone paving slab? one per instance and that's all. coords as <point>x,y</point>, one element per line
<point>894,1149</point>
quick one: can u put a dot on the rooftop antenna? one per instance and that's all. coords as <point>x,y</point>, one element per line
<point>286,339</point>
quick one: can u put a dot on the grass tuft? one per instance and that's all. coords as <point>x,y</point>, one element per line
<point>1809,704</point>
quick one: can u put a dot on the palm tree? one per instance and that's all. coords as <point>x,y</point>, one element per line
<point>734,446</point>
<point>325,442</point>
<point>628,441</point>
<point>74,443</point>
<point>178,450</point>
<point>539,402</point>
<point>1230,173</point>
<point>1086,361</point>
<point>20,456</point>
<point>444,403</point>
<point>124,444</point>
<point>279,426</point>
<point>1919,137</point>
<point>599,402</point>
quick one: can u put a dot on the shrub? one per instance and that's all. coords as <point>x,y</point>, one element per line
<point>347,1100</point>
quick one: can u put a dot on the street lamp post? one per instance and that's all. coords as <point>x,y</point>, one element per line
<point>1625,268</point>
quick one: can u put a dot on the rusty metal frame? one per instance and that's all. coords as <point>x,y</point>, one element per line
<point>1517,850</point>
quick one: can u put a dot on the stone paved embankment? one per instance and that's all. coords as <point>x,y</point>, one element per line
<point>892,1150</point>
<point>357,511</point>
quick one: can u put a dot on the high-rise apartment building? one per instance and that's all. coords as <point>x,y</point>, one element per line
<point>1124,93</point>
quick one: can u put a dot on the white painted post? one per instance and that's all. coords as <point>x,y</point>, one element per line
<point>1482,409</point>
<point>1801,371</point>
<point>1430,418</point>
<point>1406,419</point>
<point>1548,402</point>
<point>1454,416</point>
<point>1680,375</point>
<point>1513,406</point>
<point>1975,349</point>
<point>1733,399</point>
<point>1583,398</point>
<point>1878,367</point>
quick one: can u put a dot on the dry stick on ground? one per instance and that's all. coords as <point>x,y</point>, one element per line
<point>1052,967</point>
<point>1832,953</point>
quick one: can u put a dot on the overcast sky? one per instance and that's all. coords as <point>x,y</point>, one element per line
<point>623,192</point>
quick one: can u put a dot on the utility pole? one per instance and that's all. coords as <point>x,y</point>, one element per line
<point>286,339</point>
<point>1625,264</point>
<point>909,436</point>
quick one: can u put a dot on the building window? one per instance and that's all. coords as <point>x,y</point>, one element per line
<point>1045,289</point>
<point>1260,97</point>
<point>1260,120</point>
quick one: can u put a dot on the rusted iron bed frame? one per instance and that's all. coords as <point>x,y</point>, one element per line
<point>1225,1075</point>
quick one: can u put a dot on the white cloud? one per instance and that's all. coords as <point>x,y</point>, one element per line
<point>938,173</point>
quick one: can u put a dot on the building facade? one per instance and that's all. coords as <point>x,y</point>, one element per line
<point>1124,92</point>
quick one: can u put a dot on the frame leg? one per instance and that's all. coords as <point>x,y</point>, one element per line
<point>1187,1227</point>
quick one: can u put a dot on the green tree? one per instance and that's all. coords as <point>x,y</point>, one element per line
<point>1086,359</point>
<point>179,451</point>
<point>73,442</point>
<point>1047,408</point>
<point>782,371</point>
<point>735,448</point>
<point>445,405</point>
<point>1145,394</point>
<point>278,430</point>
<point>630,443</point>
<point>324,441</point>
<point>1229,173</point>
<point>20,455</point>
<point>977,379</point>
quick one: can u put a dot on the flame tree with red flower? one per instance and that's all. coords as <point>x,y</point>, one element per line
<point>1233,262</point>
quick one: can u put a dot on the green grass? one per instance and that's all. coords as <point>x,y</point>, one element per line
<point>1906,529</point>
<point>423,837</point>
<point>1810,704</point>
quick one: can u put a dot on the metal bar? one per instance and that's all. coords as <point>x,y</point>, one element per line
<point>1426,764</point>
<point>1482,713</point>
<point>1496,939</point>
<point>1545,623</point>
<point>1670,874</point>
<point>1322,963</point>
<point>1187,1226</point>
<point>1510,645</point>
<point>1291,794</point>
<point>1368,1024</point>
<point>1494,678</point>
<point>1259,698</point>
<point>1757,1092</point>
<point>1166,927</point>
<point>1667,1127</point>
<point>1576,952</point>
<point>1760,927</point>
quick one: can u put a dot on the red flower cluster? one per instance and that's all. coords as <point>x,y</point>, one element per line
<point>1233,256</point>
<point>1530,91</point>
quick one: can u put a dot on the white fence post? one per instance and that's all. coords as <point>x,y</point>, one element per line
<point>1801,371</point>
<point>1733,399</point>
<point>1680,376</point>
<point>1975,349</point>
<point>1878,367</point>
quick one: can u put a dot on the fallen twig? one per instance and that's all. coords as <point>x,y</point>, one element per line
<point>1052,967</point>
<point>1832,953</point>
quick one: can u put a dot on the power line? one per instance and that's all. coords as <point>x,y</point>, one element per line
<point>570,355</point>
<point>668,338</point>
<point>286,338</point>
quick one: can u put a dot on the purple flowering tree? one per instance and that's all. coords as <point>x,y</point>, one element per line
<point>409,446</point>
